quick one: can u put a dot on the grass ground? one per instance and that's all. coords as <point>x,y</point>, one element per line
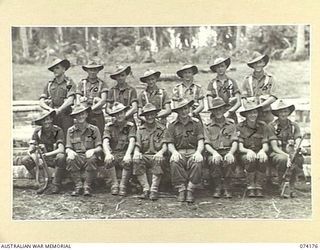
<point>293,78</point>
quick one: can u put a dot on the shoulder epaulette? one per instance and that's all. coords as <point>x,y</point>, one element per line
<point>130,124</point>
<point>229,120</point>
<point>195,119</point>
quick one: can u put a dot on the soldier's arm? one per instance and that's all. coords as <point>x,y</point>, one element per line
<point>234,147</point>
<point>60,149</point>
<point>172,148</point>
<point>237,105</point>
<point>200,107</point>
<point>210,149</point>
<point>131,146</point>
<point>200,146</point>
<point>276,149</point>
<point>66,104</point>
<point>242,149</point>
<point>271,99</point>
<point>101,102</point>
<point>133,109</point>
<point>44,105</point>
<point>142,118</point>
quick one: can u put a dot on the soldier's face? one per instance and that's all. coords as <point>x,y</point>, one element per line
<point>92,73</point>
<point>184,112</point>
<point>151,117</point>
<point>121,78</point>
<point>252,115</point>
<point>187,74</point>
<point>121,116</point>
<point>58,70</point>
<point>81,117</point>
<point>284,113</point>
<point>258,66</point>
<point>151,80</point>
<point>221,69</point>
<point>218,113</point>
<point>47,122</point>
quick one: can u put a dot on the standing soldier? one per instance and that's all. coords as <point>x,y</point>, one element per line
<point>59,94</point>
<point>284,134</point>
<point>221,142</point>
<point>189,89</point>
<point>52,138</point>
<point>122,92</point>
<point>253,146</point>
<point>149,151</point>
<point>83,146</point>
<point>224,87</point>
<point>93,91</point>
<point>185,142</point>
<point>260,85</point>
<point>153,94</point>
<point>118,145</point>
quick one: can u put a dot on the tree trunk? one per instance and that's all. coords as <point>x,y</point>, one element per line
<point>238,37</point>
<point>60,34</point>
<point>24,41</point>
<point>155,37</point>
<point>86,35</point>
<point>300,49</point>
<point>100,41</point>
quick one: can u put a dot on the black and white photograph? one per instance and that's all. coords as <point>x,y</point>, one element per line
<point>161,122</point>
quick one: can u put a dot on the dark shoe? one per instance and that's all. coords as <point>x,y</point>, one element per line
<point>251,193</point>
<point>292,194</point>
<point>227,194</point>
<point>181,196</point>
<point>55,189</point>
<point>217,193</point>
<point>122,192</point>
<point>77,192</point>
<point>190,197</point>
<point>144,195</point>
<point>154,196</point>
<point>114,190</point>
<point>87,192</point>
<point>259,193</point>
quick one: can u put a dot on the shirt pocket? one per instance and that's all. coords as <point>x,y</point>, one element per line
<point>76,144</point>
<point>89,142</point>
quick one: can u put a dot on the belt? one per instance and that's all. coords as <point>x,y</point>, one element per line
<point>187,151</point>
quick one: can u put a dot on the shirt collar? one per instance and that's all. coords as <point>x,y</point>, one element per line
<point>122,88</point>
<point>153,89</point>
<point>78,128</point>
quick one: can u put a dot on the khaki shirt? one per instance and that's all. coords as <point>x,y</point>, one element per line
<point>265,85</point>
<point>220,136</point>
<point>49,138</point>
<point>150,140</point>
<point>119,135</point>
<point>58,92</point>
<point>194,92</point>
<point>82,140</point>
<point>158,97</point>
<point>284,134</point>
<point>126,95</point>
<point>223,89</point>
<point>184,136</point>
<point>253,138</point>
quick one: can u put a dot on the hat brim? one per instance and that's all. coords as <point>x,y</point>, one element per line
<point>150,111</point>
<point>244,112</point>
<point>65,63</point>
<point>275,112</point>
<point>225,105</point>
<point>80,111</point>
<point>265,58</point>
<point>194,69</point>
<point>127,70</point>
<point>144,78</point>
<point>39,120</point>
<point>86,67</point>
<point>190,103</point>
<point>226,61</point>
<point>118,111</point>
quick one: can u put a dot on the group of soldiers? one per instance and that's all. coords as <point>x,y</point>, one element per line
<point>139,141</point>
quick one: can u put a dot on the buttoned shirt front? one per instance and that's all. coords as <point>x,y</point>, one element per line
<point>192,92</point>
<point>50,138</point>
<point>125,95</point>
<point>184,135</point>
<point>253,86</point>
<point>224,89</point>
<point>82,140</point>
<point>119,135</point>
<point>150,140</point>
<point>158,97</point>
<point>222,135</point>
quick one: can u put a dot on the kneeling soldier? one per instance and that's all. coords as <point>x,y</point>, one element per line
<point>51,136</point>
<point>118,145</point>
<point>283,134</point>
<point>221,142</point>
<point>83,147</point>
<point>253,145</point>
<point>149,151</point>
<point>185,142</point>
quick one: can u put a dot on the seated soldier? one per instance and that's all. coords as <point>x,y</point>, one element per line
<point>51,136</point>
<point>185,142</point>
<point>118,145</point>
<point>149,151</point>
<point>83,148</point>
<point>285,136</point>
<point>253,146</point>
<point>221,143</point>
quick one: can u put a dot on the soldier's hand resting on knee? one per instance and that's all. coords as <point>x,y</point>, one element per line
<point>127,158</point>
<point>71,155</point>
<point>108,158</point>
<point>229,158</point>
<point>262,156</point>
<point>137,156</point>
<point>251,155</point>
<point>197,157</point>
<point>176,156</point>
<point>158,156</point>
<point>89,153</point>
<point>217,158</point>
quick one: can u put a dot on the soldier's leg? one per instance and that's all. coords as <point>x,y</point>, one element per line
<point>280,162</point>
<point>91,171</point>
<point>139,170</point>
<point>59,172</point>
<point>227,170</point>
<point>157,172</point>
<point>111,173</point>
<point>194,178</point>
<point>250,167</point>
<point>215,173</point>
<point>179,176</point>
<point>74,167</point>
<point>294,173</point>
<point>260,177</point>
<point>125,176</point>
<point>29,164</point>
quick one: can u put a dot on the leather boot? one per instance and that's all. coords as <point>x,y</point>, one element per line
<point>114,181</point>
<point>251,184</point>
<point>226,187</point>
<point>182,196</point>
<point>76,178</point>
<point>259,193</point>
<point>251,193</point>
<point>189,197</point>
<point>260,177</point>
<point>87,191</point>
<point>124,182</point>
<point>154,195</point>
<point>218,186</point>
